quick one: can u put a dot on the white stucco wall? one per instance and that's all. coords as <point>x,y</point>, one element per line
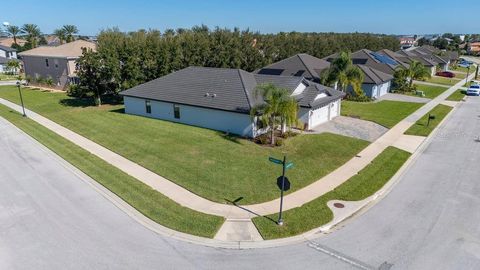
<point>376,91</point>
<point>236,123</point>
<point>312,118</point>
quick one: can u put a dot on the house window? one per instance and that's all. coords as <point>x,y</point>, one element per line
<point>176,111</point>
<point>46,63</point>
<point>55,62</point>
<point>148,106</point>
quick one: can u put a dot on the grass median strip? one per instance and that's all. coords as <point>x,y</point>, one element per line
<point>206,162</point>
<point>316,213</point>
<point>457,95</point>
<point>422,127</point>
<point>386,113</point>
<point>149,202</point>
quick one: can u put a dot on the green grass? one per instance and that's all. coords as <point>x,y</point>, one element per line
<point>464,69</point>
<point>316,213</point>
<point>443,80</point>
<point>430,90</point>
<point>457,95</point>
<point>420,128</point>
<point>151,203</point>
<point>386,113</point>
<point>204,161</point>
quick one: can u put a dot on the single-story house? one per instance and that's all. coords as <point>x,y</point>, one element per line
<point>221,99</point>
<point>430,57</point>
<point>408,57</point>
<point>6,54</point>
<point>58,62</point>
<point>303,65</point>
<point>377,71</point>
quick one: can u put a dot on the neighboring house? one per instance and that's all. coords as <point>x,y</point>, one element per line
<point>58,62</point>
<point>473,47</point>
<point>406,42</point>
<point>430,57</point>
<point>221,99</point>
<point>6,54</point>
<point>8,41</point>
<point>377,71</point>
<point>302,65</point>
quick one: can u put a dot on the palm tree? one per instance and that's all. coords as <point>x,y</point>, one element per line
<point>13,66</point>
<point>13,31</point>
<point>344,74</point>
<point>33,33</point>
<point>278,109</point>
<point>70,30</point>
<point>417,71</point>
<point>61,34</point>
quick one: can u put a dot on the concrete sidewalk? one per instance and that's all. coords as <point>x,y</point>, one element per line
<point>188,199</point>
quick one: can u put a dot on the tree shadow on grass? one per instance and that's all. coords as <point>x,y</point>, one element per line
<point>235,203</point>
<point>229,137</point>
<point>89,101</point>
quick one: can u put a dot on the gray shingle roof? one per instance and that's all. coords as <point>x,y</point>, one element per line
<point>7,49</point>
<point>225,89</point>
<point>303,65</point>
<point>373,76</point>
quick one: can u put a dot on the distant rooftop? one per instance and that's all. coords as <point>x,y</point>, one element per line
<point>68,50</point>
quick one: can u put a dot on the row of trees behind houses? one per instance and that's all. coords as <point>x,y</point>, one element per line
<point>124,60</point>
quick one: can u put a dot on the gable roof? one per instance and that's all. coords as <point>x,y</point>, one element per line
<point>68,50</point>
<point>308,98</point>
<point>7,49</point>
<point>220,88</point>
<point>303,65</point>
<point>373,76</point>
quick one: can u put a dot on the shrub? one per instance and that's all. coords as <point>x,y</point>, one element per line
<point>289,134</point>
<point>278,142</point>
<point>358,98</point>
<point>75,90</point>
<point>263,139</point>
<point>49,81</point>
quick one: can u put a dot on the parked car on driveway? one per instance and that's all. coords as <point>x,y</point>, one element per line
<point>447,74</point>
<point>473,90</point>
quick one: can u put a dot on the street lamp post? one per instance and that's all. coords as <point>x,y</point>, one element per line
<point>21,98</point>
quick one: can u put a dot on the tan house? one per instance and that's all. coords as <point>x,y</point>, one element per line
<point>57,62</point>
<point>8,41</point>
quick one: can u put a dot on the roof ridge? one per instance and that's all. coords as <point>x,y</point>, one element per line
<point>305,65</point>
<point>244,87</point>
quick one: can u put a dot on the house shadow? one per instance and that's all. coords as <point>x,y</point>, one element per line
<point>235,203</point>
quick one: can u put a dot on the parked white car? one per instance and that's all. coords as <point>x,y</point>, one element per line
<point>473,90</point>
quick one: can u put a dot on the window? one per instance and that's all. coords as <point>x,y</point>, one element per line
<point>55,62</point>
<point>46,63</point>
<point>148,106</point>
<point>176,111</point>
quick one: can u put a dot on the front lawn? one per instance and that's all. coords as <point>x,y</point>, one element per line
<point>457,95</point>
<point>430,90</point>
<point>204,161</point>
<point>386,113</point>
<point>316,213</point>
<point>420,128</point>
<point>6,77</point>
<point>443,80</point>
<point>149,202</point>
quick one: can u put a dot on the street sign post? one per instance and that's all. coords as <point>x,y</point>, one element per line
<point>282,183</point>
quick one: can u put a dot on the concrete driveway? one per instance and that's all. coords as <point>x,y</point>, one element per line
<point>352,127</point>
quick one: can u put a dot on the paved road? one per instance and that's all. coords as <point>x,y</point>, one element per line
<point>51,219</point>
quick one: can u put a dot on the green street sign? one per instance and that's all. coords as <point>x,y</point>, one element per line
<point>289,165</point>
<point>274,160</point>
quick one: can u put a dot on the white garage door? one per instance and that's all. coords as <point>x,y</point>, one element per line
<point>319,116</point>
<point>383,89</point>
<point>334,109</point>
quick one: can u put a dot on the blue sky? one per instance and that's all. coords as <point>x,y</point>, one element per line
<point>266,16</point>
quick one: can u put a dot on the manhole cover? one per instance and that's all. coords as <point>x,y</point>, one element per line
<point>339,205</point>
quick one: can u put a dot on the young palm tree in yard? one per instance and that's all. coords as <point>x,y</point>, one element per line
<point>70,30</point>
<point>61,34</point>
<point>13,66</point>
<point>344,73</point>
<point>14,31</point>
<point>278,109</point>
<point>33,33</point>
<point>417,71</point>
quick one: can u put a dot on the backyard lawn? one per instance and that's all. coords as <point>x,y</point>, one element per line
<point>386,113</point>
<point>316,213</point>
<point>457,95</point>
<point>430,90</point>
<point>420,128</point>
<point>443,80</point>
<point>151,203</point>
<point>204,161</point>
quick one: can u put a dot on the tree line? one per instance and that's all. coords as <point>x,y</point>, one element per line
<point>124,60</point>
